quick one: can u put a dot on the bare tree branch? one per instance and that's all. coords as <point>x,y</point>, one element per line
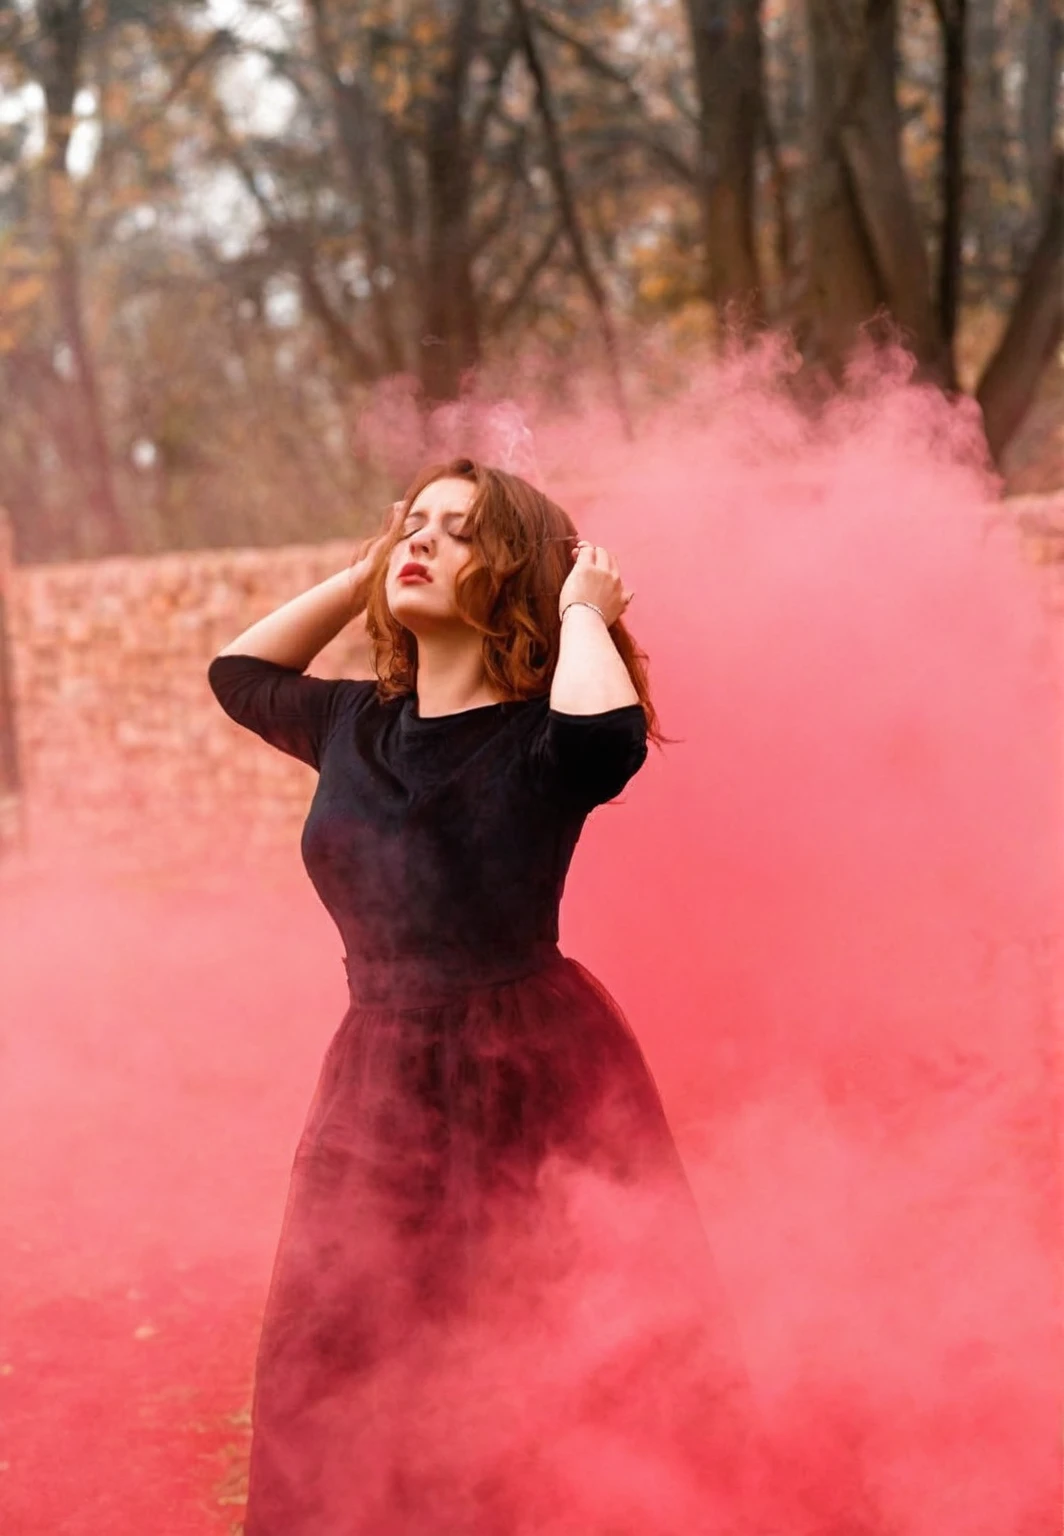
<point>640,131</point>
<point>493,226</point>
<point>499,58</point>
<point>501,316</point>
<point>567,207</point>
<point>295,248</point>
<point>353,121</point>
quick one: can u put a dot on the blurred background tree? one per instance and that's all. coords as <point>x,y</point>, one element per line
<point>225,223</point>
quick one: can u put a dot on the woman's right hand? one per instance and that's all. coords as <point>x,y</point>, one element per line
<point>365,556</point>
<point>367,551</point>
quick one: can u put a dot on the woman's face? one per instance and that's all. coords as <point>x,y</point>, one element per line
<point>435,536</point>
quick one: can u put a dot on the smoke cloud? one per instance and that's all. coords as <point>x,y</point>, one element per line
<point>830,908</point>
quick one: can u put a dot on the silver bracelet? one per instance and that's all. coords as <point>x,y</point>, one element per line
<point>578,602</point>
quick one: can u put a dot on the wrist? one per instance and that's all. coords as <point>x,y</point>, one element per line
<point>581,604</point>
<point>353,581</point>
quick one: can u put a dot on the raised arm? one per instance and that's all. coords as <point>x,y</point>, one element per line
<point>258,677</point>
<point>292,635</point>
<point>593,737</point>
<point>591,675</point>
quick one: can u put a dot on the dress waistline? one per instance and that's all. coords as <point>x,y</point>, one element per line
<point>425,980</point>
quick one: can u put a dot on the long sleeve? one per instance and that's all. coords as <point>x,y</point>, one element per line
<point>289,710</point>
<point>588,759</point>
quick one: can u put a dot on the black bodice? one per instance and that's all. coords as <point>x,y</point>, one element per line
<point>442,841</point>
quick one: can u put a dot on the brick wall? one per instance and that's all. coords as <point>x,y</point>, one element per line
<point>122,745</point>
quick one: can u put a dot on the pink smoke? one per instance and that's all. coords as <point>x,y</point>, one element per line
<point>830,911</point>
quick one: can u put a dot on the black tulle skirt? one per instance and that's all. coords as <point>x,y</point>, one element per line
<point>494,1308</point>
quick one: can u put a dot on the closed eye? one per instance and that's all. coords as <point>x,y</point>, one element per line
<point>463,538</point>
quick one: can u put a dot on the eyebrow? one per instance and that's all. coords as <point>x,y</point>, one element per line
<point>420,512</point>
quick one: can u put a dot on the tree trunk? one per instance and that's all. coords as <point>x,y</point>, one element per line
<point>450,340</point>
<point>864,246</point>
<point>1034,331</point>
<point>1044,59</point>
<point>953,17</point>
<point>62,28</point>
<point>987,175</point>
<point>726,47</point>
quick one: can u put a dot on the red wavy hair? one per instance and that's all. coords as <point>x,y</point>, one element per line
<point>521,553</point>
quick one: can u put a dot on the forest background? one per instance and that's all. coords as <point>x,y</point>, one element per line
<point>230,229</point>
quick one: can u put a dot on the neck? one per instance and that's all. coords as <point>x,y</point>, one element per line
<point>450,674</point>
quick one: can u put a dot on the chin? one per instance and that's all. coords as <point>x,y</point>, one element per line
<point>407,610</point>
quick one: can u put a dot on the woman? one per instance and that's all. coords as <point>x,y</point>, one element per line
<point>447,1348</point>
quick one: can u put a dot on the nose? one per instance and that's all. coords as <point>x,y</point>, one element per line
<point>420,541</point>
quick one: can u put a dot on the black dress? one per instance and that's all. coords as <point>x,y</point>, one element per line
<point>490,1266</point>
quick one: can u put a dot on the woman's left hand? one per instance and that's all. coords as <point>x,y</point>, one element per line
<point>595,578</point>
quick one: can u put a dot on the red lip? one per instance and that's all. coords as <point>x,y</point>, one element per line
<point>411,568</point>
